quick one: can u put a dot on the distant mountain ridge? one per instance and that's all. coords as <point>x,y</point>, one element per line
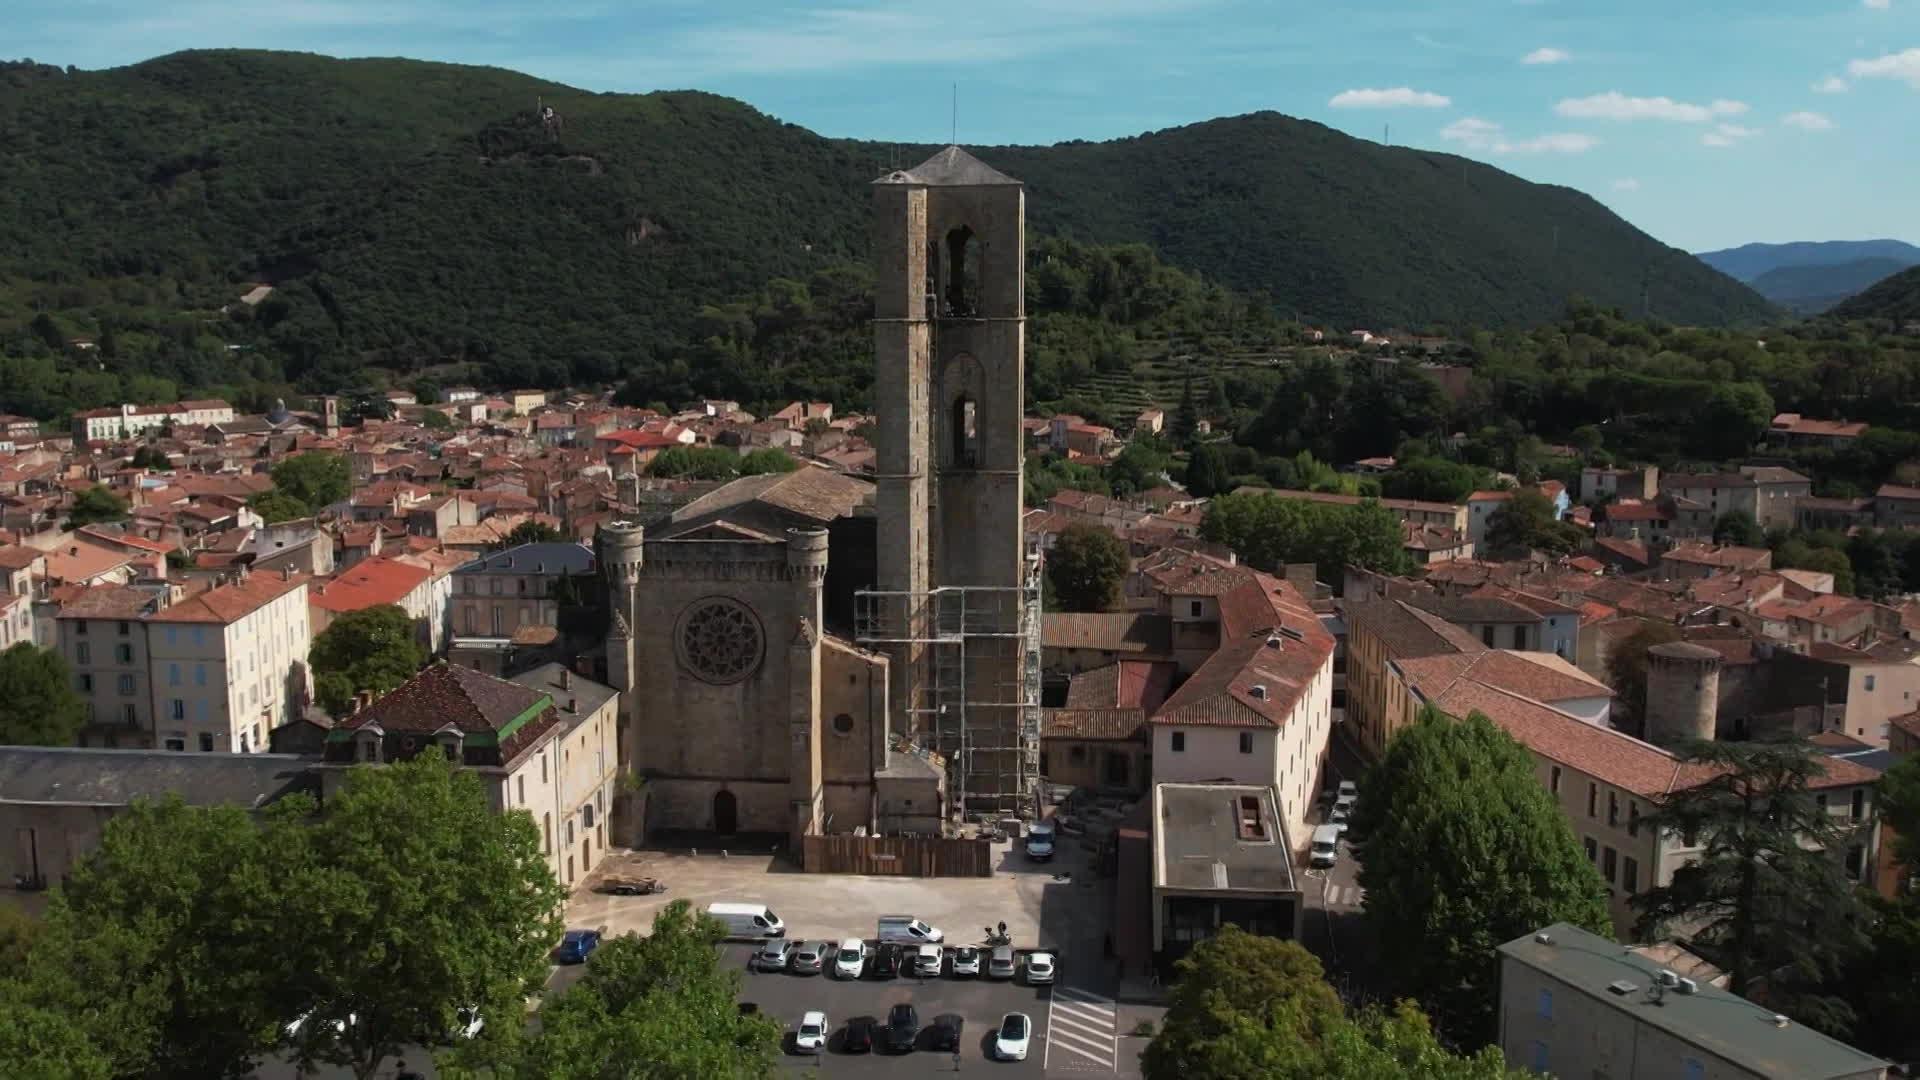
<point>1810,290</point>
<point>1749,261</point>
<point>409,211</point>
<point>1896,298</point>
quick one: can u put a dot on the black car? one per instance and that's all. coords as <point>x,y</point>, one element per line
<point>885,963</point>
<point>945,1032</point>
<point>859,1036</point>
<point>903,1026</point>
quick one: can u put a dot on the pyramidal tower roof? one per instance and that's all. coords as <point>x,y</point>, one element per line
<point>952,167</point>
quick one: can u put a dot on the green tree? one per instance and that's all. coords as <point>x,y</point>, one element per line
<point>1882,981</point>
<point>1738,527</point>
<point>275,506</point>
<point>1797,554</point>
<point>696,463</point>
<point>1435,480</point>
<point>38,706</point>
<point>1465,851</point>
<point>1270,530</point>
<point>1898,799</point>
<point>767,460</point>
<point>94,505</point>
<point>317,478</point>
<point>435,420</point>
<point>148,456</point>
<point>530,532</point>
<point>1258,1008</point>
<point>1767,894</point>
<point>1207,472</point>
<point>1141,465</point>
<point>375,648</point>
<point>653,1006</point>
<point>168,943</point>
<point>38,1043</point>
<point>1087,565</point>
<point>1526,523</point>
<point>420,900</point>
<point>1627,671</point>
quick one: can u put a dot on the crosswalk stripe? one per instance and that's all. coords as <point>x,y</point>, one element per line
<point>1075,1024</point>
<point>1083,1046</point>
<point>1082,1023</point>
<point>1105,1015</point>
<point>1084,1000</point>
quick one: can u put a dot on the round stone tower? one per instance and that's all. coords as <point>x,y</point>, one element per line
<point>621,548</point>
<point>1683,692</point>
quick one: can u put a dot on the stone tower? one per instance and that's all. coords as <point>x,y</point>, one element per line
<point>1683,692</point>
<point>949,242</point>
<point>620,549</point>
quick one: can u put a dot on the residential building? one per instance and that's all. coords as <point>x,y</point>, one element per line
<point>1604,484</point>
<point>496,595</point>
<point>1814,513</point>
<point>523,402</point>
<point>1794,430</point>
<point>1481,506</point>
<point>382,580</point>
<point>230,664</point>
<point>101,632</point>
<point>1896,506</point>
<point>19,429</point>
<point>1221,854</point>
<point>1380,632</point>
<point>55,801</point>
<point>1573,1003</point>
<point>545,744</point>
<point>1765,492</point>
<point>1692,561</point>
<point>128,421</point>
<point>1099,739</point>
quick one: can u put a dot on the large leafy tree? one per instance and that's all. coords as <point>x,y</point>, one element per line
<point>1898,799</point>
<point>318,478</point>
<point>1207,472</point>
<point>1257,1008</point>
<point>530,532</point>
<point>94,505</point>
<point>374,649</point>
<point>38,706</point>
<point>1767,895</point>
<point>1526,523</point>
<point>1738,527</point>
<point>168,943</point>
<point>653,1006</point>
<point>275,506</point>
<point>1087,565</point>
<point>1465,851</point>
<point>421,900</point>
<point>40,1043</point>
<point>1269,530</point>
<point>768,459</point>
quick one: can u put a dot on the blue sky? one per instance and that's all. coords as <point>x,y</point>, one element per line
<point>1707,122</point>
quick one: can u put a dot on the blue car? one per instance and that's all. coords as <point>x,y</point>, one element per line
<point>576,946</point>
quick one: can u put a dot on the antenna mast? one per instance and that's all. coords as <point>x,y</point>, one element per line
<point>954,134</point>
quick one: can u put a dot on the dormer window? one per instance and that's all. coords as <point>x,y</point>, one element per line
<point>367,745</point>
<point>451,742</point>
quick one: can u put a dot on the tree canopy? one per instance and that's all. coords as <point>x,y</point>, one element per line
<point>1247,1007</point>
<point>1268,532</point>
<point>38,705</point>
<point>95,505</point>
<point>318,478</point>
<point>1086,566</point>
<point>1464,851</point>
<point>1767,894</point>
<point>1526,523</point>
<point>375,648</point>
<point>530,532</point>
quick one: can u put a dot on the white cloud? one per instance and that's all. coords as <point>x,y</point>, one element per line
<point>1487,136</point>
<point>1724,135</point>
<point>1400,97</point>
<point>1613,105</point>
<point>1832,84</point>
<point>1877,5</point>
<point>1807,121</point>
<point>1547,55</point>
<point>1626,183</point>
<point>1904,66</point>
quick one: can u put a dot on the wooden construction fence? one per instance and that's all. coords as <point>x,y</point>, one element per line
<point>899,856</point>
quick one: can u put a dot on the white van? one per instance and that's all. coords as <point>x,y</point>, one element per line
<point>1325,850</point>
<point>907,930</point>
<point>751,921</point>
<point>1040,841</point>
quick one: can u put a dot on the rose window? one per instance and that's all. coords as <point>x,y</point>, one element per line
<point>720,641</point>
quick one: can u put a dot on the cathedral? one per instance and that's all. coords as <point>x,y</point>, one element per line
<point>811,653</point>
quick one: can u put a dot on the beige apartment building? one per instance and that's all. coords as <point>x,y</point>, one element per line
<point>101,632</point>
<point>544,743</point>
<point>497,595</point>
<point>229,665</point>
<point>1574,1004</point>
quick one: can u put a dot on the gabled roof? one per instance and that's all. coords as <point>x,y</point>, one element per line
<point>368,583</point>
<point>952,167</point>
<point>1543,677</point>
<point>447,694</point>
<point>231,603</point>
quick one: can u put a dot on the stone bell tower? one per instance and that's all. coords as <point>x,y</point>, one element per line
<point>952,605</point>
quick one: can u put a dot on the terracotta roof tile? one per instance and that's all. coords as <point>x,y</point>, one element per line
<point>231,603</point>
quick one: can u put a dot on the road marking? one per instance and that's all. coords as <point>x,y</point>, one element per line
<point>1082,1025</point>
<point>1345,896</point>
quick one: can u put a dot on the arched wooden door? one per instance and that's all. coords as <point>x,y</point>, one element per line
<point>726,813</point>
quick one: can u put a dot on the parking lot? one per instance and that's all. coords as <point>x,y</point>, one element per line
<point>1074,1030</point>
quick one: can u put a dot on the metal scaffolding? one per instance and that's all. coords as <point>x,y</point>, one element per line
<point>971,658</point>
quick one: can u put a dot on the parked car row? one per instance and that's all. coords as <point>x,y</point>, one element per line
<point>901,1033</point>
<point>857,958</point>
<point>1324,847</point>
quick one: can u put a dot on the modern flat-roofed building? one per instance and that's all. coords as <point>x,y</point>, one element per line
<point>1220,855</point>
<point>1573,1003</point>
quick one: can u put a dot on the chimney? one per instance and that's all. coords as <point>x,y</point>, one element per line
<point>566,678</point>
<point>573,704</point>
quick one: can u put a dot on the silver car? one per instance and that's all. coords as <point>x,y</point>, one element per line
<point>966,961</point>
<point>808,956</point>
<point>775,955</point>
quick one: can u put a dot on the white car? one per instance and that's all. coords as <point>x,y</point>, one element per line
<point>966,962</point>
<point>851,960</point>
<point>1040,968</point>
<point>1349,790</point>
<point>1340,818</point>
<point>1010,1042</point>
<point>927,961</point>
<point>467,1022</point>
<point>339,1026</point>
<point>811,1036</point>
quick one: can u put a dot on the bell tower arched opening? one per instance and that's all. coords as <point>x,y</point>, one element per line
<point>966,433</point>
<point>963,274</point>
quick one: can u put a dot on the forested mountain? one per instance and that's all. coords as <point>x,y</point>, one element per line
<point>1896,298</point>
<point>412,213</point>
<point>1748,261</point>
<point>1809,290</point>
